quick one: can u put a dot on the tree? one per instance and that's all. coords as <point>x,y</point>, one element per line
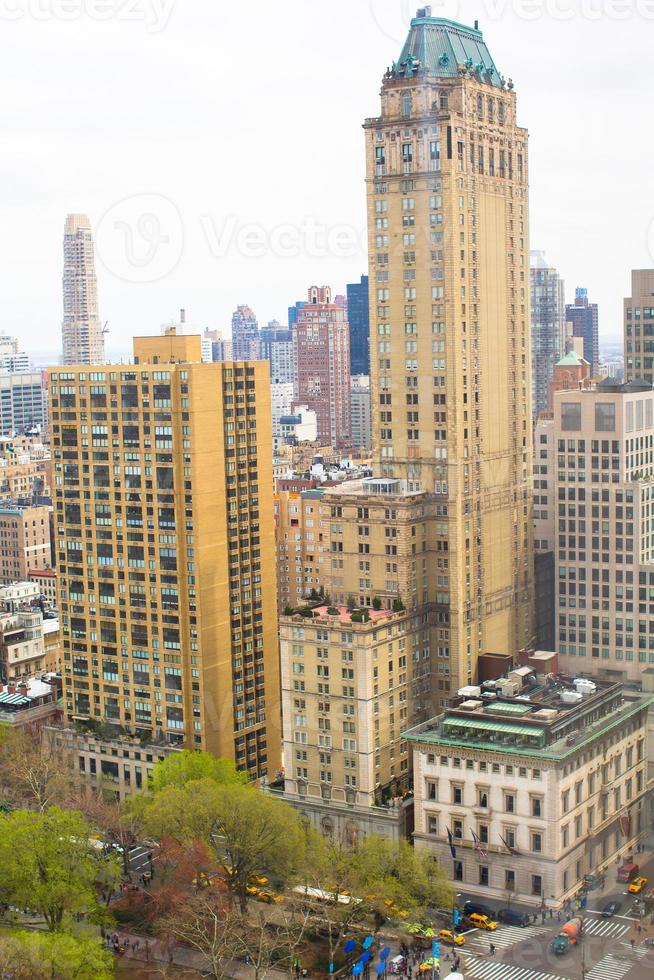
<point>255,832</point>
<point>48,864</point>
<point>33,771</point>
<point>183,767</point>
<point>373,881</point>
<point>185,813</point>
<point>205,923</point>
<point>265,944</point>
<point>35,956</point>
<point>248,830</point>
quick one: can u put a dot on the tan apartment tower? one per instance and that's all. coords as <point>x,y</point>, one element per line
<point>448,219</point>
<point>82,337</point>
<point>165,549</point>
<point>639,328</point>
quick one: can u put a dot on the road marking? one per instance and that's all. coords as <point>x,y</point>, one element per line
<point>487,970</point>
<point>505,937</point>
<point>604,927</point>
<point>610,968</point>
<point>640,951</point>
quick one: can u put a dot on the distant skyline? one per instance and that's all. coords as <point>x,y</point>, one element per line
<point>218,150</point>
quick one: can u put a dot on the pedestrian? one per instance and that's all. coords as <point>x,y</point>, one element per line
<point>558,915</point>
<point>551,913</point>
<point>633,943</point>
<point>491,950</point>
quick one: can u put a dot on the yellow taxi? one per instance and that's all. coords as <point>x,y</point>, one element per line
<point>637,885</point>
<point>269,898</point>
<point>256,878</point>
<point>450,938</point>
<point>482,922</point>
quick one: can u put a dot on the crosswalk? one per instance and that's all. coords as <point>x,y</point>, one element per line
<point>487,970</point>
<point>641,952</point>
<point>610,968</point>
<point>503,938</point>
<point>608,928</point>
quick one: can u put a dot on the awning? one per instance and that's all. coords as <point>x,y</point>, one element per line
<point>484,725</point>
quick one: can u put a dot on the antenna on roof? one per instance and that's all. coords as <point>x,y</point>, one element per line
<point>476,25</point>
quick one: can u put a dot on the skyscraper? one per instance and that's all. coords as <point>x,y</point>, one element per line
<point>358,314</point>
<point>584,317</point>
<point>167,558</point>
<point>83,341</point>
<point>547,328</point>
<point>639,327</point>
<point>321,362</point>
<point>450,325</point>
<point>429,562</point>
<point>246,345</point>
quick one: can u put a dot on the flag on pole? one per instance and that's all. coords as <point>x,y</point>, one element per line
<point>477,843</point>
<point>450,841</point>
<point>510,849</point>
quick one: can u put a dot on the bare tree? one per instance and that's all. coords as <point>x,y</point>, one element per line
<point>33,772</point>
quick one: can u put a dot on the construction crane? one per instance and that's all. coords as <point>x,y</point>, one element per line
<point>105,328</point>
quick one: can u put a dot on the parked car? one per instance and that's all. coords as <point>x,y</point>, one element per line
<point>593,881</point>
<point>612,907</point>
<point>450,938</point>
<point>637,885</point>
<point>511,917</point>
<point>483,922</point>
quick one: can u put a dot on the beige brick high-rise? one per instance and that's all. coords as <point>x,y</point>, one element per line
<point>448,241</point>
<point>166,551</point>
<point>639,327</point>
<point>83,341</point>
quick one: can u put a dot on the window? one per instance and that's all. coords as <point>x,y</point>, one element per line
<point>431,791</point>
<point>536,885</point>
<point>509,880</point>
<point>432,825</point>
<point>483,874</point>
<point>571,416</point>
<point>509,802</point>
<point>605,417</point>
<point>483,797</point>
<point>536,806</point>
<point>457,795</point>
<point>537,843</point>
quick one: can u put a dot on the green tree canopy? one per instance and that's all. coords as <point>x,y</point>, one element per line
<point>180,768</point>
<point>38,956</point>
<point>48,865</point>
<point>248,830</point>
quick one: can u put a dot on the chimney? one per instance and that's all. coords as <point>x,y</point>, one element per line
<point>182,316</point>
<point>11,688</point>
<point>22,688</point>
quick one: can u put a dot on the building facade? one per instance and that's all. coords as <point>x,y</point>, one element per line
<point>23,403</point>
<point>24,541</point>
<point>639,327</point>
<point>301,539</point>
<point>358,314</point>
<point>360,408</point>
<point>246,345</point>
<point>536,793</point>
<point>450,326</point>
<point>83,339</point>
<point>167,574</point>
<point>547,328</point>
<point>584,317</point>
<point>603,484</point>
<point>347,686</point>
<point>321,362</point>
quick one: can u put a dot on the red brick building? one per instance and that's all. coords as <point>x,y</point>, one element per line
<point>321,363</point>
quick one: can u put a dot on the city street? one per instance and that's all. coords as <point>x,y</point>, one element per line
<point>605,952</point>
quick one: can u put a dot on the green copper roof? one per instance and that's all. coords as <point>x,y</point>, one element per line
<point>571,359</point>
<point>441,47</point>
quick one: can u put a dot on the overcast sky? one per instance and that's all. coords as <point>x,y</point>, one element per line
<point>217,147</point>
